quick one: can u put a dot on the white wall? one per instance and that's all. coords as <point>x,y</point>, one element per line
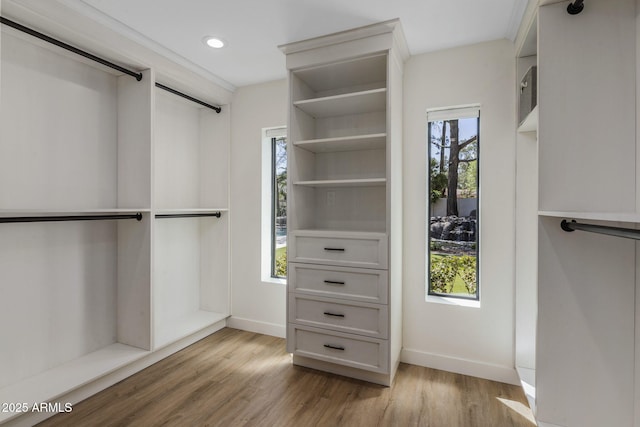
<point>470,340</point>
<point>465,206</point>
<point>256,305</point>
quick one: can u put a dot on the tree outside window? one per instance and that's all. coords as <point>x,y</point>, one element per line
<point>452,252</point>
<point>279,208</point>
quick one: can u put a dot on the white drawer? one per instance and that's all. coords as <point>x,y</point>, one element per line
<point>349,350</point>
<point>359,284</point>
<point>351,249</point>
<point>356,318</point>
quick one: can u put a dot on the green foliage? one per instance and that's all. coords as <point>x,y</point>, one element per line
<point>435,246</point>
<point>437,181</point>
<point>468,179</point>
<point>281,263</point>
<point>445,269</point>
<point>443,273</point>
<point>467,272</point>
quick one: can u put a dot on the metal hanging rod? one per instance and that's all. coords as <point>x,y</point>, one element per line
<point>34,33</point>
<point>627,233</point>
<point>190,98</point>
<point>190,215</point>
<point>575,7</point>
<point>14,219</point>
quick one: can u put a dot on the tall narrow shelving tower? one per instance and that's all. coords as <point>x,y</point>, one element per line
<point>586,348</point>
<point>576,293</point>
<point>345,201</point>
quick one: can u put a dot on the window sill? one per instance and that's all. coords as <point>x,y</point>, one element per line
<point>453,301</point>
<point>273,280</point>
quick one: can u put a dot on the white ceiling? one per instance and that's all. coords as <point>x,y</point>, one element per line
<point>253,29</point>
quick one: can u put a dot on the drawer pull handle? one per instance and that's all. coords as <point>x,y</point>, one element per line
<point>334,249</point>
<point>328,313</point>
<point>335,347</point>
<point>333,282</point>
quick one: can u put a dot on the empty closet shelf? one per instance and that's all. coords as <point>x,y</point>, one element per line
<point>367,182</point>
<point>339,105</point>
<point>346,143</point>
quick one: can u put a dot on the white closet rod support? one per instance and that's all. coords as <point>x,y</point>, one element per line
<point>626,233</point>
<point>34,33</point>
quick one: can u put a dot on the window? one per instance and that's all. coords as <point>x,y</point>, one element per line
<point>452,206</point>
<point>274,205</point>
<point>279,207</point>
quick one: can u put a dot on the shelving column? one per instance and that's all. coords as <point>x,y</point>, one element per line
<point>75,145</point>
<point>585,351</point>
<point>345,201</point>
<point>191,221</point>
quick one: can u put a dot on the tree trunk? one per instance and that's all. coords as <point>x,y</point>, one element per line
<point>443,144</point>
<point>452,175</point>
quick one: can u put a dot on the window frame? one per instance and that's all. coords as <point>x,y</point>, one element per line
<point>274,196</point>
<point>267,228</point>
<point>446,114</point>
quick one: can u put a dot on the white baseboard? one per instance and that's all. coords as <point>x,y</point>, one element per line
<point>264,328</point>
<point>472,368</point>
<point>81,393</point>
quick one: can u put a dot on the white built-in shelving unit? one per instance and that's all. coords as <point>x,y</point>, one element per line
<point>582,367</point>
<point>82,299</point>
<point>345,202</point>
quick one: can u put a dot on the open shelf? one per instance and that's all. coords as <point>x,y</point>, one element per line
<point>57,381</point>
<point>190,275</point>
<point>189,211</point>
<point>190,156</point>
<point>342,76</point>
<point>594,216</point>
<point>367,101</point>
<point>368,182</point>
<point>530,123</point>
<point>347,143</point>
<point>186,325</point>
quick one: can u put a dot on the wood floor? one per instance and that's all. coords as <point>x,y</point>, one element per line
<point>236,378</point>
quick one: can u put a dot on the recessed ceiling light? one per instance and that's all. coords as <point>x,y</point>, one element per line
<point>213,42</point>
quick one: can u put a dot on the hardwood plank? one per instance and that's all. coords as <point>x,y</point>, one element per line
<point>238,378</point>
